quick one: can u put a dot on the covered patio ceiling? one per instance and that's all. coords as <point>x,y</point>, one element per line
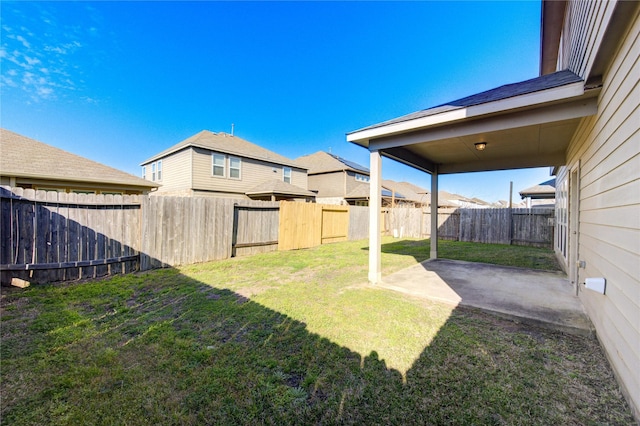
<point>526,124</point>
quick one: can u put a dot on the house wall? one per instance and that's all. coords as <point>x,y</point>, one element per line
<point>252,173</point>
<point>351,182</point>
<point>176,173</point>
<point>606,153</point>
<point>584,27</point>
<point>328,184</point>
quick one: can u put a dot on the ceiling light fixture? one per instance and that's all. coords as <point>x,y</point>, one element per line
<point>480,146</point>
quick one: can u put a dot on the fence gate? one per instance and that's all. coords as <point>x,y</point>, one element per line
<point>305,225</point>
<point>335,224</point>
<point>255,229</point>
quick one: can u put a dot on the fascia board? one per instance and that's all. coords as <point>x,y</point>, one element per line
<point>503,105</point>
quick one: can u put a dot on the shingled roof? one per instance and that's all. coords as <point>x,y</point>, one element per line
<point>279,187</point>
<point>544,190</point>
<point>24,157</point>
<point>408,190</point>
<point>228,144</point>
<point>537,84</point>
<point>324,162</point>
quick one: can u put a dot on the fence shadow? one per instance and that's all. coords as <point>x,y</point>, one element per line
<point>163,347</point>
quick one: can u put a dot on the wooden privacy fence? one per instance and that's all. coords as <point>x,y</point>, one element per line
<point>304,225</point>
<point>255,229</point>
<point>52,236</point>
<point>183,230</point>
<point>531,227</point>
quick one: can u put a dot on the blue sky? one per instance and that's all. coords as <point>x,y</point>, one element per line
<point>118,82</point>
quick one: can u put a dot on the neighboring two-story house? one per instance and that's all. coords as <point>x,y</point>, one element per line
<point>223,165</point>
<point>336,180</point>
<point>28,163</point>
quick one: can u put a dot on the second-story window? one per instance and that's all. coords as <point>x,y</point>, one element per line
<point>153,172</point>
<point>218,165</point>
<point>362,178</point>
<point>159,170</point>
<point>286,174</point>
<point>234,167</point>
<point>144,172</point>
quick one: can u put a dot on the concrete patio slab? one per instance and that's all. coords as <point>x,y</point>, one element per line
<point>542,298</point>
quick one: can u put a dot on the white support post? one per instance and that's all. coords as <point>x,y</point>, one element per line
<point>434,214</point>
<point>375,207</point>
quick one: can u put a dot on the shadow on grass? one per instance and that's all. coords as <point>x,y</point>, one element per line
<point>163,348</point>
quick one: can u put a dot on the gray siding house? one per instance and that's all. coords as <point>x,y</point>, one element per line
<point>223,165</point>
<point>336,180</point>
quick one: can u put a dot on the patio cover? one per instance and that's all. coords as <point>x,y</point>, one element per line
<point>525,124</point>
<point>276,189</point>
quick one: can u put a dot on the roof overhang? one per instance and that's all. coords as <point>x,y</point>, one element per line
<point>552,17</point>
<point>528,130</point>
<point>47,179</point>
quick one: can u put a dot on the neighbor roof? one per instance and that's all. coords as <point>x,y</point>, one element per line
<point>279,187</point>
<point>409,190</point>
<point>229,144</point>
<point>324,162</point>
<point>537,84</point>
<point>362,191</point>
<point>544,190</point>
<point>24,157</point>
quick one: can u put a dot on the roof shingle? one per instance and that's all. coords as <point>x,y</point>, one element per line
<point>27,158</point>
<point>229,144</point>
<point>323,162</point>
<point>548,81</point>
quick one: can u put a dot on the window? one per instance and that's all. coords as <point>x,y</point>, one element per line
<point>234,168</point>
<point>286,174</point>
<point>562,219</point>
<point>159,170</point>
<point>144,172</point>
<point>153,172</point>
<point>362,178</point>
<point>218,165</point>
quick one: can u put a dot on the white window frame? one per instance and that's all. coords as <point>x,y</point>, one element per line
<point>362,178</point>
<point>144,172</point>
<point>562,216</point>
<point>214,165</point>
<point>159,170</point>
<point>153,172</point>
<point>286,175</point>
<point>231,168</point>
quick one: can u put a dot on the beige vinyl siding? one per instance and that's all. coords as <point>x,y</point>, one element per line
<point>176,172</point>
<point>607,150</point>
<point>351,181</point>
<point>252,173</point>
<point>299,178</point>
<point>585,24</point>
<point>328,184</point>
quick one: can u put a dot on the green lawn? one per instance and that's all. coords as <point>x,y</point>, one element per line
<point>290,338</point>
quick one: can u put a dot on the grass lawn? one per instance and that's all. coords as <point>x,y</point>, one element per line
<point>290,338</point>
